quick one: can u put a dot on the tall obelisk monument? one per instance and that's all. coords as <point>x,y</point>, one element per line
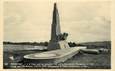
<point>57,38</point>
<point>55,30</point>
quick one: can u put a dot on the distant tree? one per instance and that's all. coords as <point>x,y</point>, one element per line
<point>72,44</point>
<point>46,43</point>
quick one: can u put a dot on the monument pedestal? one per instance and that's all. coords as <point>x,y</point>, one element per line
<point>58,45</point>
<point>53,46</point>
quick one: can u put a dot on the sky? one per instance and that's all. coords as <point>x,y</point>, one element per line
<point>31,21</point>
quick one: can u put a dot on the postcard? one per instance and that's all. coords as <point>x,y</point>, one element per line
<point>56,34</point>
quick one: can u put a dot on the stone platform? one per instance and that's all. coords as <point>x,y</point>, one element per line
<point>55,56</point>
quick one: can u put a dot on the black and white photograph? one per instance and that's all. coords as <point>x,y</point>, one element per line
<point>57,34</point>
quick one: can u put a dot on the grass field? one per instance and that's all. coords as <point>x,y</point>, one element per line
<point>79,61</point>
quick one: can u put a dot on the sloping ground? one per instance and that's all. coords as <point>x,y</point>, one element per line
<point>99,61</point>
<point>79,61</point>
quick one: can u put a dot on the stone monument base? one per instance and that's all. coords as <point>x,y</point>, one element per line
<point>55,56</point>
<point>58,45</point>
